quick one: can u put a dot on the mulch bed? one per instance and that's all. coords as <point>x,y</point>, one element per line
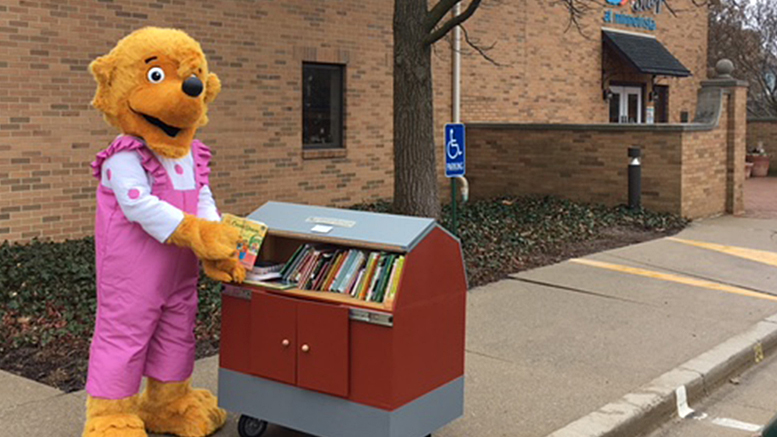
<point>47,295</point>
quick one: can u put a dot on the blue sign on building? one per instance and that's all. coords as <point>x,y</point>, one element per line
<point>455,162</point>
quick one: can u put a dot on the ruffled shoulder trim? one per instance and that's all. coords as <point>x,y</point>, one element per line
<point>127,142</point>
<point>201,154</point>
<point>120,144</point>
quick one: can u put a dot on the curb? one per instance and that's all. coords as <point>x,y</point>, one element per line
<point>656,402</point>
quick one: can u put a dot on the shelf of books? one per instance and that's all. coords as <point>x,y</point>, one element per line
<point>346,314</point>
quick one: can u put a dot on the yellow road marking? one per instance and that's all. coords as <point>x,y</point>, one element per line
<point>675,278</point>
<point>760,256</point>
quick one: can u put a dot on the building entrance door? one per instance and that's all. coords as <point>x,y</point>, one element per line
<point>626,104</point>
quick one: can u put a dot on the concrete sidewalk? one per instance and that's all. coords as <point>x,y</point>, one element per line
<point>549,346</point>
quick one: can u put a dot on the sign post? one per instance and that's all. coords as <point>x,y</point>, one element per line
<point>455,161</point>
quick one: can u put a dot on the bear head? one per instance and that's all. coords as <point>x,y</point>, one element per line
<point>155,84</point>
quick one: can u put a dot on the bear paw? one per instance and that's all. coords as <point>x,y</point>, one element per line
<point>195,414</point>
<point>115,425</point>
<point>225,270</point>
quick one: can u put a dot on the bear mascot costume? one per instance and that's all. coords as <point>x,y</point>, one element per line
<point>155,219</point>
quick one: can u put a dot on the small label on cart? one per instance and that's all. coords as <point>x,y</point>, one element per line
<point>331,221</point>
<point>321,229</point>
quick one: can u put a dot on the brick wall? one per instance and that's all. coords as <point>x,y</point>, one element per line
<point>49,133</point>
<point>696,170</point>
<point>550,73</point>
<point>704,170</point>
<point>579,163</point>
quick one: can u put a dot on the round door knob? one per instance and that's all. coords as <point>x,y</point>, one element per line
<point>305,348</point>
<point>285,342</point>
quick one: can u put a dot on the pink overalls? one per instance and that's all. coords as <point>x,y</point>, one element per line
<point>146,290</point>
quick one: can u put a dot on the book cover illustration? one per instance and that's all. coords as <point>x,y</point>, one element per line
<point>252,234</point>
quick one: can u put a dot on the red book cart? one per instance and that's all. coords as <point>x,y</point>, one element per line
<point>332,365</point>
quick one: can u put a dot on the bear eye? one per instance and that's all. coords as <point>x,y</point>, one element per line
<point>156,75</point>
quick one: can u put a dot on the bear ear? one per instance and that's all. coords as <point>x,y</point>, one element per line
<point>102,69</point>
<point>212,87</point>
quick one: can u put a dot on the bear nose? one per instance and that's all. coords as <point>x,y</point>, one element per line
<point>192,86</point>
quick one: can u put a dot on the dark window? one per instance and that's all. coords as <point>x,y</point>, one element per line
<point>322,105</point>
<point>615,108</point>
<point>662,103</point>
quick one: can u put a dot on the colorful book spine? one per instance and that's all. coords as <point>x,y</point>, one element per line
<point>292,260</point>
<point>378,271</point>
<point>397,277</point>
<point>369,276</point>
<point>369,272</point>
<point>349,258</point>
<point>381,285</point>
<point>339,258</point>
<point>354,291</point>
<point>349,274</point>
<point>390,279</point>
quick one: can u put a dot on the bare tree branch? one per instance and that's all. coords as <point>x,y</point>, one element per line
<point>438,12</point>
<point>481,50</point>
<point>577,9</point>
<point>453,22</point>
<point>746,33</point>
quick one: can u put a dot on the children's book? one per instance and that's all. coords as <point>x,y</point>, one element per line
<point>397,275</point>
<point>252,235</point>
<point>350,274</point>
<point>264,271</point>
<point>274,285</point>
<point>369,271</point>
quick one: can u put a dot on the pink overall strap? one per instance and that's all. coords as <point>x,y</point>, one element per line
<point>155,168</point>
<point>201,154</point>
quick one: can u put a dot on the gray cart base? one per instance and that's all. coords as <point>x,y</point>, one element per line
<point>330,416</point>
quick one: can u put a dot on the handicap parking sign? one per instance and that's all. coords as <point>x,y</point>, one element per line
<point>455,163</point>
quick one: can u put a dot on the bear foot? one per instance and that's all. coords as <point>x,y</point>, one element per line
<point>113,418</point>
<point>116,425</point>
<point>175,408</point>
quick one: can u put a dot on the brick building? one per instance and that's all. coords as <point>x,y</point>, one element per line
<point>305,110</point>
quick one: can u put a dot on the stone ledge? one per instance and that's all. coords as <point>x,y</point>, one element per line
<point>607,127</point>
<point>339,152</point>
<point>761,119</point>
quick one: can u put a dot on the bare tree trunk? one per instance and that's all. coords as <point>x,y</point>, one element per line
<point>415,175</point>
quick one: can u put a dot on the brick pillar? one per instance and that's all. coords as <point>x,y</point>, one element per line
<point>735,101</point>
<point>737,148</point>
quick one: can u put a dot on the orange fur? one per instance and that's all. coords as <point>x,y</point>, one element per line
<point>224,270</point>
<point>176,408</point>
<point>113,418</point>
<point>134,103</point>
<point>124,91</point>
<point>209,240</point>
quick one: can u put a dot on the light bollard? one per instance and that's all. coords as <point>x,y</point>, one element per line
<point>635,178</point>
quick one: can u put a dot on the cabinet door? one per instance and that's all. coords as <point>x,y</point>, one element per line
<point>322,349</point>
<point>273,337</point>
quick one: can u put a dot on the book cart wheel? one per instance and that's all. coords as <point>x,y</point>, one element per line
<point>248,426</point>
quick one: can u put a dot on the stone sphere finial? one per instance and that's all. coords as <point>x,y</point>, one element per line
<point>724,68</point>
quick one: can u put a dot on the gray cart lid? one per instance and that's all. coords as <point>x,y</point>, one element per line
<point>397,232</point>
